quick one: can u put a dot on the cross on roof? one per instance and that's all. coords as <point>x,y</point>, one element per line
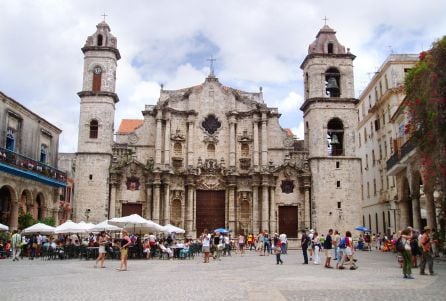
<point>325,20</point>
<point>211,65</point>
<point>104,15</point>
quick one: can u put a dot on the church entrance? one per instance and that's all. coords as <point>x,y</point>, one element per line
<point>131,208</point>
<point>210,210</point>
<point>288,221</point>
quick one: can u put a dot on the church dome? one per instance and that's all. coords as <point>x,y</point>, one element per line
<point>326,42</point>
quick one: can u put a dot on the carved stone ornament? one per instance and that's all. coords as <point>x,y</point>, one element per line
<point>288,142</point>
<point>244,137</point>
<point>287,186</point>
<point>132,183</point>
<point>211,124</point>
<point>210,182</point>
<point>133,138</point>
<point>245,163</point>
<point>178,136</point>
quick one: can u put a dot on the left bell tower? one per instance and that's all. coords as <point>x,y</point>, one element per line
<point>96,125</point>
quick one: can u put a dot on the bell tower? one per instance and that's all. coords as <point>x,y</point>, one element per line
<point>96,125</point>
<point>330,118</point>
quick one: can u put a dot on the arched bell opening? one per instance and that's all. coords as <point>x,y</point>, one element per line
<point>332,82</point>
<point>335,137</point>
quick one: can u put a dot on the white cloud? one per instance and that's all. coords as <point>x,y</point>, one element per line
<point>299,130</point>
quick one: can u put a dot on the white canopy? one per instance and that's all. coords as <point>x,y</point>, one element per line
<point>136,224</point>
<point>70,227</point>
<point>104,226</point>
<point>86,226</point>
<point>3,227</point>
<point>171,228</point>
<point>39,228</point>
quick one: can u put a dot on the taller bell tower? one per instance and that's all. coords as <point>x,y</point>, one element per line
<point>96,122</point>
<point>330,118</point>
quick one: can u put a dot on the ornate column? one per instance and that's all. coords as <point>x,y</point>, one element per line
<point>156,200</point>
<point>14,216</point>
<point>112,209</point>
<point>190,140</point>
<point>255,207</point>
<point>190,206</point>
<point>231,205</point>
<point>232,122</point>
<point>416,212</point>
<point>149,200</point>
<point>264,139</point>
<point>265,205</point>
<point>158,138</point>
<point>166,203</point>
<point>255,126</point>
<point>183,212</point>
<point>167,141</point>
<point>272,211</point>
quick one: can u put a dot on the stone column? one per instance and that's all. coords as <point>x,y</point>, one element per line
<point>158,138</point>
<point>231,209</point>
<point>14,215</point>
<point>416,212</point>
<point>404,214</point>
<point>166,203</point>
<point>256,140</point>
<point>232,122</point>
<point>430,209</point>
<point>264,140</point>
<point>190,207</point>
<point>307,208</point>
<point>183,213</point>
<point>272,211</point>
<point>265,206</point>
<point>149,200</point>
<point>167,141</point>
<point>190,140</point>
<point>112,209</point>
<point>156,201</point>
<point>255,208</point>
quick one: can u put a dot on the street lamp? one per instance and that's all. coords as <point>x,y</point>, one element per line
<point>87,214</point>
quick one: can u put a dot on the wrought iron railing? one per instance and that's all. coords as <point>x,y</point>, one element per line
<point>27,164</point>
<point>399,154</point>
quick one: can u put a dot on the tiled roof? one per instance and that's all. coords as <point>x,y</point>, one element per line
<point>289,132</point>
<point>129,125</point>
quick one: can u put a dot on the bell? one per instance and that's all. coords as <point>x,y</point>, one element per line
<point>334,140</point>
<point>332,86</point>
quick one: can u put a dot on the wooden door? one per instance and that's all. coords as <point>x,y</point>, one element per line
<point>210,210</point>
<point>131,208</point>
<point>288,221</point>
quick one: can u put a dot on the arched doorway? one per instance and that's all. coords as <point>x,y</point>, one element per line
<point>8,207</point>
<point>38,206</point>
<point>25,202</point>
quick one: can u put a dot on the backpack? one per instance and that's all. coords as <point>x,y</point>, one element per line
<point>343,243</point>
<point>399,245</point>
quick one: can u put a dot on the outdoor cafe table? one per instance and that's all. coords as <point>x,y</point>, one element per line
<point>176,251</point>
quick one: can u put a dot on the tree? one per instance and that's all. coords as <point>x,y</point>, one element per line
<point>426,103</point>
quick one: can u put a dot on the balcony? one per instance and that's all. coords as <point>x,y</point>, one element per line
<point>21,166</point>
<point>398,160</point>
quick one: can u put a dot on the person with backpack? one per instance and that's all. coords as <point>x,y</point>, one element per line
<point>304,242</point>
<point>406,236</point>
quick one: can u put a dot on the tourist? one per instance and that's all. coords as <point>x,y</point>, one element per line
<point>102,244</point>
<point>327,249</point>
<point>335,241</point>
<point>16,245</point>
<point>348,252</point>
<point>415,249</point>
<point>406,236</point>
<point>266,243</point>
<point>304,243</point>
<point>250,241</point>
<point>32,244</point>
<point>259,242</point>
<point>125,243</point>
<point>426,257</point>
<point>283,243</point>
<point>435,243</point>
<point>278,251</point>
<point>317,248</point>
<point>206,245</point>
<point>227,243</point>
<point>367,241</point>
<point>241,244</point>
<point>310,248</point>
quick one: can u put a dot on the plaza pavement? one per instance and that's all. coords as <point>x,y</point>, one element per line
<point>251,277</point>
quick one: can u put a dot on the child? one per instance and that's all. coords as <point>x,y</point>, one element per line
<point>277,251</point>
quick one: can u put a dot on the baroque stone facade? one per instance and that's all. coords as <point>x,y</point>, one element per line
<point>212,156</point>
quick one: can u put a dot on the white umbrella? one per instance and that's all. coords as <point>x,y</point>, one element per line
<point>136,223</point>
<point>104,226</point>
<point>39,228</point>
<point>69,227</point>
<point>171,228</point>
<point>86,226</point>
<point>3,227</point>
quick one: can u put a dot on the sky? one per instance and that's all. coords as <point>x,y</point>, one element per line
<point>256,43</point>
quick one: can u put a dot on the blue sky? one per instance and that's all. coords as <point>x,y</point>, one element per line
<point>256,43</point>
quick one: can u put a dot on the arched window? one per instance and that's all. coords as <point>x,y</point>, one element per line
<point>100,40</point>
<point>178,149</point>
<point>335,137</point>
<point>94,127</point>
<point>211,150</point>
<point>97,78</point>
<point>330,48</point>
<point>43,153</point>
<point>245,149</point>
<point>10,139</point>
<point>333,79</point>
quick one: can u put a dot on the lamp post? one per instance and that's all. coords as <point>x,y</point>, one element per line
<point>87,214</point>
<point>391,206</point>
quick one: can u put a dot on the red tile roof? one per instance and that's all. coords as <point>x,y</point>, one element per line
<point>289,132</point>
<point>129,125</point>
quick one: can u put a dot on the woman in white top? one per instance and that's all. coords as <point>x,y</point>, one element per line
<point>317,248</point>
<point>102,252</point>
<point>206,245</point>
<point>241,244</point>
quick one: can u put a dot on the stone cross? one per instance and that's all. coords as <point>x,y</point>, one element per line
<point>104,15</point>
<point>211,65</point>
<point>325,20</point>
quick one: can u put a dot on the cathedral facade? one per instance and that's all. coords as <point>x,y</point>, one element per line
<point>212,156</point>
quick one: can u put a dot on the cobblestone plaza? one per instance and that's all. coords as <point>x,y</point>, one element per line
<point>250,277</point>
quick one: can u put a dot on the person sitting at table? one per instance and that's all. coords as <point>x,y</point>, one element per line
<point>165,250</point>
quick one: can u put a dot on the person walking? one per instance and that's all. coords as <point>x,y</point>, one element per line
<point>277,252</point>
<point>406,236</point>
<point>283,241</point>
<point>125,243</point>
<point>16,245</point>
<point>304,242</point>
<point>241,244</point>
<point>206,245</point>
<point>310,250</point>
<point>317,248</point>
<point>426,248</point>
<point>327,249</point>
<point>102,244</point>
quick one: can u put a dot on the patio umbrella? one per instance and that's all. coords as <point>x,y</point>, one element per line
<point>136,223</point>
<point>171,228</point>
<point>362,229</point>
<point>69,227</point>
<point>3,227</point>
<point>39,228</point>
<point>221,230</point>
<point>86,226</point>
<point>105,226</point>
